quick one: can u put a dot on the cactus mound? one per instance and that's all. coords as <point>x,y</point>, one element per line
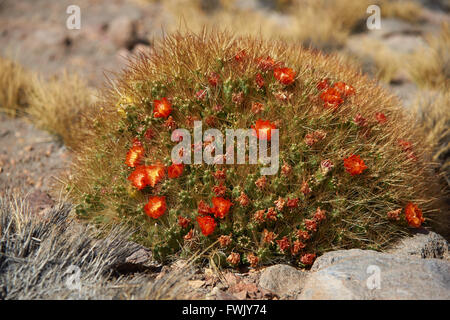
<point>352,172</point>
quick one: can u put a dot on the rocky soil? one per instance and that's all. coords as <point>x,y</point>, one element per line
<point>34,33</point>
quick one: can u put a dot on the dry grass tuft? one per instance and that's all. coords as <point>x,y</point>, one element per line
<point>430,67</point>
<point>57,106</point>
<point>15,85</point>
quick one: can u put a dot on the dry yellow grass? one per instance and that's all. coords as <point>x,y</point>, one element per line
<point>430,67</point>
<point>15,83</point>
<point>57,105</point>
<point>410,11</point>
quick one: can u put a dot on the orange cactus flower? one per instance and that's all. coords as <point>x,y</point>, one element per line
<point>271,214</point>
<point>207,224</point>
<point>292,203</point>
<point>323,84</point>
<point>189,235</point>
<point>283,244</point>
<point>345,89</point>
<point>258,216</point>
<point>297,246</point>
<point>331,98</point>
<point>203,208</point>
<point>224,241</point>
<point>303,235</point>
<point>243,199</point>
<point>311,225</point>
<point>253,260</point>
<point>268,236</point>
<point>219,190</point>
<point>154,174</point>
<point>241,55</point>
<point>234,258</point>
<point>259,80</point>
<point>265,63</point>
<point>305,189</point>
<point>162,108</point>
<point>221,207</point>
<point>134,156</point>
<point>220,175</point>
<point>279,204</point>
<point>405,145</point>
<point>413,215</point>
<point>183,222</point>
<point>381,118</point>
<point>261,182</point>
<point>308,259</point>
<point>394,214</point>
<point>284,75</point>
<point>264,129</point>
<point>138,178</point>
<point>175,170</point>
<point>155,207</point>
<point>257,107</point>
<point>320,215</point>
<point>286,170</point>
<point>213,79</point>
<point>354,165</point>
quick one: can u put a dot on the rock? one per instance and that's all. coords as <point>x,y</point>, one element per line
<point>353,274</point>
<point>122,31</point>
<point>426,245</point>
<point>283,280</point>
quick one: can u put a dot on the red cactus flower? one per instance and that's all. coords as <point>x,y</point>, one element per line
<point>259,80</point>
<point>314,137</point>
<point>271,214</point>
<point>284,75</point>
<point>149,134</point>
<point>381,118</point>
<point>224,241</point>
<point>183,222</point>
<point>162,108</point>
<point>394,214</point>
<point>360,120</point>
<point>323,84</point>
<point>303,235</point>
<point>221,207</point>
<point>253,260</point>
<point>264,129</point>
<point>413,215</point>
<point>268,236</point>
<point>258,216</point>
<point>405,145</point>
<point>292,203</point>
<point>305,189</point>
<point>241,55</point>
<point>354,165</point>
<point>234,258</point>
<point>331,98</point>
<point>154,174</point>
<point>308,259</point>
<point>265,63</point>
<point>320,215</point>
<point>201,94</point>
<point>189,235</point>
<point>170,123</point>
<point>283,244</point>
<point>243,199</point>
<point>175,170</point>
<point>257,107</point>
<point>311,225</point>
<point>138,178</point>
<point>219,190</point>
<point>261,182</point>
<point>345,89</point>
<point>155,207</point>
<point>203,208</point>
<point>207,224</point>
<point>297,246</point>
<point>220,175</point>
<point>134,156</point>
<point>286,170</point>
<point>213,79</point>
<point>279,204</point>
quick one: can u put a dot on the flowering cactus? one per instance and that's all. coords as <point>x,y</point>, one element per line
<point>350,160</point>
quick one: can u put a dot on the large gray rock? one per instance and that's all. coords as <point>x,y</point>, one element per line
<point>353,274</point>
<point>283,280</point>
<point>423,245</point>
